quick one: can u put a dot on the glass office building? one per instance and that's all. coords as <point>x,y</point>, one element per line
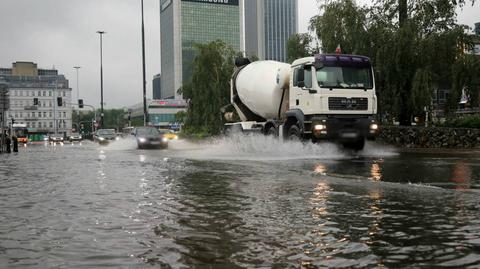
<point>188,22</point>
<point>268,26</point>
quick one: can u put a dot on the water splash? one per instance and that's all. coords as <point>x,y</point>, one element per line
<point>255,147</point>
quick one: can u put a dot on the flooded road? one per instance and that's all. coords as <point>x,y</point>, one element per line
<point>242,202</point>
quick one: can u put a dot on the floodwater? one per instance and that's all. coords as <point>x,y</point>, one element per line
<point>241,202</point>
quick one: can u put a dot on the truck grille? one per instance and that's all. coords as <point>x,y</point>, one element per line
<point>342,103</point>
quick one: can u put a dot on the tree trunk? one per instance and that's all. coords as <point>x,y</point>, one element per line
<point>402,12</point>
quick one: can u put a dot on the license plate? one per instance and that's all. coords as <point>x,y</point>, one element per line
<point>349,135</point>
<point>155,143</point>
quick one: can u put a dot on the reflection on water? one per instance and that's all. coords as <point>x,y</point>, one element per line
<point>461,175</point>
<point>376,172</point>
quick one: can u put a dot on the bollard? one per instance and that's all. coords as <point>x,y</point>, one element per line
<point>15,144</point>
<point>7,142</point>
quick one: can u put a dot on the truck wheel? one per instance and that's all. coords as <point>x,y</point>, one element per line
<point>272,131</point>
<point>294,133</point>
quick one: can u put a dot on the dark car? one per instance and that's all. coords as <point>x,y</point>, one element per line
<point>150,137</point>
<point>104,136</point>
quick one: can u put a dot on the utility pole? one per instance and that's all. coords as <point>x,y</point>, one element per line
<point>101,77</point>
<point>145,112</point>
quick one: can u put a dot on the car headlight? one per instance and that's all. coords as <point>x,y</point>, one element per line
<point>142,140</point>
<point>164,139</point>
<point>175,137</point>
<point>117,138</point>
<point>373,126</point>
<point>320,127</point>
<point>101,138</point>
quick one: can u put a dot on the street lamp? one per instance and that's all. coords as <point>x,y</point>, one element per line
<point>78,89</point>
<point>145,113</point>
<point>101,78</point>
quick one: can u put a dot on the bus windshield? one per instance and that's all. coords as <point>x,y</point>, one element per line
<point>345,77</point>
<point>20,131</point>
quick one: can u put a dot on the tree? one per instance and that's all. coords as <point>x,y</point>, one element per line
<point>466,76</point>
<point>342,23</point>
<point>209,88</point>
<point>298,46</point>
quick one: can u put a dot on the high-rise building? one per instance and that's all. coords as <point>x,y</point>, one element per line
<point>268,26</point>
<point>157,87</point>
<point>39,98</point>
<point>188,22</point>
<point>477,28</point>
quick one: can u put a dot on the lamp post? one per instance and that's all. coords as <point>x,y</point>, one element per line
<point>145,113</point>
<point>78,89</point>
<point>101,78</point>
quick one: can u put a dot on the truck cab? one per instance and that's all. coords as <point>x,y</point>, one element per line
<point>332,96</point>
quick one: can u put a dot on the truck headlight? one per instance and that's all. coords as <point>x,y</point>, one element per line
<point>374,126</point>
<point>319,127</point>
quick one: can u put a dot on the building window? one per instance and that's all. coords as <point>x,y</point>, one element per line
<point>33,125</point>
<point>44,93</point>
<point>64,93</point>
<point>65,114</point>
<point>28,124</point>
<point>51,124</point>
<point>50,114</point>
<point>49,93</point>
<point>39,93</point>
<point>44,114</point>
<point>50,103</point>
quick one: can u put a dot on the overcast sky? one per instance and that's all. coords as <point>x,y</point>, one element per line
<point>62,34</point>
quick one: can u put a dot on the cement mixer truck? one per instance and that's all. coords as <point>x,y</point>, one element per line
<point>324,97</point>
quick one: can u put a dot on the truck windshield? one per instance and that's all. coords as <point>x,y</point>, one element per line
<point>345,77</point>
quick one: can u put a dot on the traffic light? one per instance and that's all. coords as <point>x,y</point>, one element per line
<point>35,101</point>
<point>59,101</point>
<point>80,103</point>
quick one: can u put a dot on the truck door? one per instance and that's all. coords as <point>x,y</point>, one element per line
<point>302,97</point>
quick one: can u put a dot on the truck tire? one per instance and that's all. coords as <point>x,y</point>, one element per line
<point>294,133</point>
<point>272,131</point>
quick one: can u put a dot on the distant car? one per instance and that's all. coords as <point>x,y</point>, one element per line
<point>105,136</point>
<point>75,137</point>
<point>55,139</point>
<point>150,137</point>
<point>169,134</point>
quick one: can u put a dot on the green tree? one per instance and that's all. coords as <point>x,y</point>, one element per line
<point>298,46</point>
<point>342,23</point>
<point>466,76</point>
<point>209,88</point>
